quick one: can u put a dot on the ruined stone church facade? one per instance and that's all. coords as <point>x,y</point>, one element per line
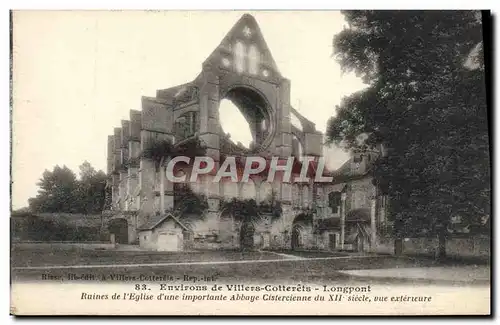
<point>338,215</point>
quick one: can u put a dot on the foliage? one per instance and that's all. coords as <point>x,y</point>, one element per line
<point>274,209</point>
<point>34,228</point>
<point>162,149</point>
<point>91,192</point>
<point>243,210</point>
<point>190,148</point>
<point>271,205</point>
<point>426,103</point>
<point>159,150</point>
<point>57,191</point>
<point>61,191</point>
<point>189,205</point>
<point>247,210</point>
<point>22,212</point>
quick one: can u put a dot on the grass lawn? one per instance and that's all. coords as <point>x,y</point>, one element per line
<point>281,269</point>
<point>57,256</point>
<point>311,254</point>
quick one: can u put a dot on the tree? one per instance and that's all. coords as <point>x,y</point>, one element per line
<point>90,194</point>
<point>425,102</point>
<point>57,191</point>
<point>189,207</point>
<point>60,191</point>
<point>87,172</point>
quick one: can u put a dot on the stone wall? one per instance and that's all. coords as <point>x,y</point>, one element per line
<point>322,241</point>
<point>455,247</point>
<point>360,194</point>
<point>58,227</point>
<point>64,245</point>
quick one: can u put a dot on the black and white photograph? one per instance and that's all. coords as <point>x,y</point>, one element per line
<point>247,163</point>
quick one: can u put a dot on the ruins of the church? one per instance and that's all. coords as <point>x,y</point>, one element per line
<point>145,208</point>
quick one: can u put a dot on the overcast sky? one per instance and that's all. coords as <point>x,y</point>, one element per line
<point>77,75</point>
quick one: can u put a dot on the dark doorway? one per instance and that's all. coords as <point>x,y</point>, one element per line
<point>119,227</point>
<point>246,235</point>
<point>333,241</point>
<point>360,243</point>
<point>296,237</point>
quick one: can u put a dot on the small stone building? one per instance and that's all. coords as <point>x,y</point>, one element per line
<point>163,233</point>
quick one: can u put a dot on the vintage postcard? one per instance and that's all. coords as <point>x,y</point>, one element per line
<point>250,163</point>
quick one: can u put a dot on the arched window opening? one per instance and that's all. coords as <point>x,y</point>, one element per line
<point>305,196</point>
<point>297,149</point>
<point>296,195</point>
<point>239,57</point>
<point>234,123</point>
<point>253,60</point>
<point>334,199</point>
<point>186,125</point>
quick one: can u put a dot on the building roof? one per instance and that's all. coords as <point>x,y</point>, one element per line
<point>328,224</point>
<point>345,173</point>
<point>350,238</point>
<point>358,215</point>
<point>157,220</point>
<point>246,28</point>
